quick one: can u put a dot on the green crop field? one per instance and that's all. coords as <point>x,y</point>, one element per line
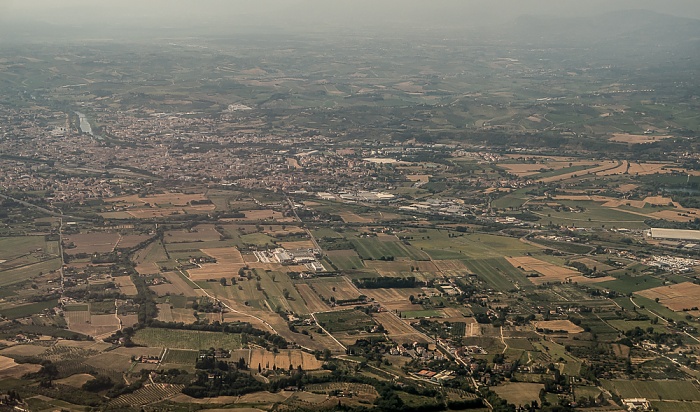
<point>22,273</point>
<point>258,239</point>
<point>183,357</point>
<point>498,273</point>
<point>415,314</point>
<point>344,260</point>
<point>28,310</point>
<point>594,215</point>
<point>376,249</point>
<point>13,247</point>
<point>477,245</point>
<point>626,284</point>
<point>346,320</point>
<point>675,406</point>
<point>574,248</point>
<point>654,390</point>
<point>186,339</point>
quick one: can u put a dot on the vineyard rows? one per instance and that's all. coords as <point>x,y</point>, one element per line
<point>148,394</point>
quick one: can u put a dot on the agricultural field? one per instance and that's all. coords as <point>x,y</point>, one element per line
<point>338,288</point>
<point>126,285</point>
<point>185,339</point>
<point>228,262</point>
<point>498,273</point>
<point>149,259</point>
<point>655,390</point>
<point>131,241</point>
<point>558,325</point>
<point>311,299</point>
<point>180,357</point>
<point>627,284</point>
<point>11,369</point>
<point>399,330</point>
<point>375,249</point>
<point>683,296</point>
<point>345,320</point>
<point>92,325</point>
<point>175,284</point>
<point>345,259</point>
<point>199,233</point>
<point>89,243</point>
<point>25,272</point>
<point>519,393</point>
<point>551,273</point>
<point>285,359</point>
<point>150,393</point>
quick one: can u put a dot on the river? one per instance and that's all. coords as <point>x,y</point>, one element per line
<point>85,126</point>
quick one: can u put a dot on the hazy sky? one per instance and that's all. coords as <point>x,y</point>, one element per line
<point>346,13</point>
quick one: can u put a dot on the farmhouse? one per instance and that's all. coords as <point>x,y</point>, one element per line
<point>675,234</point>
<point>637,404</point>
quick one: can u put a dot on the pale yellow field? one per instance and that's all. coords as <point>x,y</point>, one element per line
<point>228,261</point>
<point>552,273</point>
<point>126,286</point>
<point>675,297</point>
<point>398,329</point>
<point>282,360</point>
<point>349,217</point>
<point>302,244</point>
<point>556,325</point>
<point>199,233</point>
<point>313,302</point>
<point>175,199</point>
<point>636,138</point>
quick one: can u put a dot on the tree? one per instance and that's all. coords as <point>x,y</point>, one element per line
<point>223,281</point>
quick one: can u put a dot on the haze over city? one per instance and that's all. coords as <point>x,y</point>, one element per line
<point>310,14</point>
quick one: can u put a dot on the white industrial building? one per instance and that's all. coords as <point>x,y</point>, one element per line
<point>675,234</point>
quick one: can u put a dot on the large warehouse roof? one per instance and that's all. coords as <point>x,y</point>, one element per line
<point>675,234</point>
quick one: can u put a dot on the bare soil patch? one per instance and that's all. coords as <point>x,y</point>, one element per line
<point>11,369</point>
